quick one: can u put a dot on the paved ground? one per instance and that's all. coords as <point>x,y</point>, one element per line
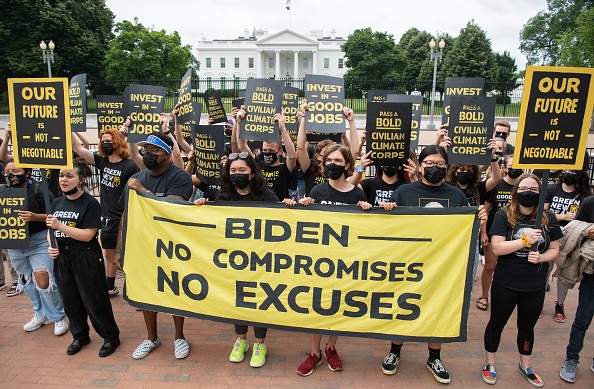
<point>39,360</point>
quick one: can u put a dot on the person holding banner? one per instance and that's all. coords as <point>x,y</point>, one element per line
<point>34,265</point>
<point>520,276</point>
<point>79,268</point>
<point>115,168</point>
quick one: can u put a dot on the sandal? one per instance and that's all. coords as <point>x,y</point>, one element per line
<point>482,303</point>
<point>14,290</point>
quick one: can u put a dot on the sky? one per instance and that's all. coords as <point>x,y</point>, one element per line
<point>218,19</point>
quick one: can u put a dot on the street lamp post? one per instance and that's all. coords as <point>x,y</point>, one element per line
<point>436,56</point>
<point>48,55</point>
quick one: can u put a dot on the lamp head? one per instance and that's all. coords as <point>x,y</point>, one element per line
<point>432,43</point>
<point>441,44</point>
<point>42,45</point>
<point>51,44</point>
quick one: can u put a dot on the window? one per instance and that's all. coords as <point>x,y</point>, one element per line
<point>326,63</point>
<point>305,63</point>
<point>271,63</point>
<point>208,63</point>
<point>236,63</point>
<point>340,63</point>
<point>288,64</point>
<point>222,63</point>
<point>251,63</point>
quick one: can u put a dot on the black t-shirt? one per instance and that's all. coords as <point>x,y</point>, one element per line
<point>312,179</point>
<point>83,212</point>
<point>586,211</point>
<point>418,194</point>
<point>114,177</point>
<point>499,197</point>
<point>513,270</point>
<point>36,204</point>
<point>325,194</point>
<point>509,149</point>
<point>562,202</point>
<point>269,196</point>
<point>278,178</point>
<point>52,176</point>
<point>553,176</point>
<point>378,191</point>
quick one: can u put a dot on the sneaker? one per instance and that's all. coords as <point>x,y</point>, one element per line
<point>390,364</point>
<point>559,313</point>
<point>568,369</point>
<point>489,375</point>
<point>145,348</point>
<point>36,322</point>
<point>258,355</point>
<point>439,372</point>
<point>308,366</point>
<point>531,376</point>
<point>61,326</point>
<point>113,292</point>
<point>239,349</point>
<point>334,362</point>
<point>182,348</point>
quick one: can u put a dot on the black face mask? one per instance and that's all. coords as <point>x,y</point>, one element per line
<point>16,180</point>
<point>390,171</point>
<point>334,171</point>
<point>228,132</point>
<point>434,174</point>
<point>528,198</point>
<point>150,161</point>
<point>239,181</point>
<point>568,178</point>
<point>502,135</point>
<point>464,178</point>
<point>71,191</point>
<point>270,158</point>
<point>107,148</point>
<point>514,173</point>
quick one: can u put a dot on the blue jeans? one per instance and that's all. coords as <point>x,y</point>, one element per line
<point>583,317</point>
<point>46,302</point>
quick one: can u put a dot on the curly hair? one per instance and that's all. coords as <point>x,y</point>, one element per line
<point>476,179</point>
<point>512,210</point>
<point>120,147</point>
<point>257,184</point>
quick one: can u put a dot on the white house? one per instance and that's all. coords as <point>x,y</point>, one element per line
<point>284,55</point>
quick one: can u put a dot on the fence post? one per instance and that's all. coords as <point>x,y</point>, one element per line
<point>505,98</point>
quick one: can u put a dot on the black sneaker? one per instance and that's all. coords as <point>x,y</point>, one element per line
<point>390,364</point>
<point>559,316</point>
<point>439,372</point>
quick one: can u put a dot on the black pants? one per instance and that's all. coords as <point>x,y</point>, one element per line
<point>80,276</point>
<point>259,332</point>
<point>503,302</point>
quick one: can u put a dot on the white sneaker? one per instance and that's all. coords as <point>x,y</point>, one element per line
<point>145,348</point>
<point>61,326</point>
<point>36,322</point>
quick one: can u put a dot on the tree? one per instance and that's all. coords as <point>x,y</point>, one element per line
<point>471,54</point>
<point>505,73</point>
<point>415,44</point>
<point>80,29</point>
<point>576,46</point>
<point>139,53</point>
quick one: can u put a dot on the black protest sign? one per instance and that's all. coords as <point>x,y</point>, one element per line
<point>263,99</point>
<point>316,137</point>
<point>146,102</point>
<point>215,108</point>
<point>14,231</point>
<point>460,86</point>
<point>237,103</point>
<point>110,112</point>
<point>325,100</point>
<point>290,107</point>
<point>470,129</point>
<point>209,146</point>
<point>379,96</point>
<point>126,102</point>
<point>40,122</point>
<point>77,93</point>
<point>417,111</point>
<point>189,120</point>
<point>388,132</point>
<point>184,101</point>
<point>241,94</point>
<point>555,117</point>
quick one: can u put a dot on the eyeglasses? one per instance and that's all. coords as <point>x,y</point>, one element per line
<point>242,155</point>
<point>501,135</point>
<point>439,164</point>
<point>526,189</point>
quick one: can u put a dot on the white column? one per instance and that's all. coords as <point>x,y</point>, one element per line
<point>296,64</point>
<point>314,65</point>
<point>277,73</point>
<point>259,64</point>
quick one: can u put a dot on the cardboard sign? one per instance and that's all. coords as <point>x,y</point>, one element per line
<point>417,112</point>
<point>14,231</point>
<point>77,93</point>
<point>215,108</point>
<point>209,145</point>
<point>146,102</point>
<point>291,106</point>
<point>388,132</point>
<point>40,120</point>
<point>263,99</point>
<point>460,86</point>
<point>325,99</point>
<point>555,117</point>
<point>110,112</point>
<point>192,119</point>
<point>379,96</point>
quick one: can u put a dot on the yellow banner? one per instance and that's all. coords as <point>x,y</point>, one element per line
<point>404,274</point>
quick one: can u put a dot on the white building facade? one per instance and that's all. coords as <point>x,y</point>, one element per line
<point>284,55</point>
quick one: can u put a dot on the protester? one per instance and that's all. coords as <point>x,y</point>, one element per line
<point>34,265</point>
<point>520,275</point>
<point>502,130</point>
<point>115,168</point>
<point>79,270</point>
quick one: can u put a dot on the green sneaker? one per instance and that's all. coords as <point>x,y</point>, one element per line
<point>258,355</point>
<point>239,349</point>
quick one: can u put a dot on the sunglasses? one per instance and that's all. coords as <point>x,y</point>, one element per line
<point>242,155</point>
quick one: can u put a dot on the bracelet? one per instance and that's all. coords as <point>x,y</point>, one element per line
<point>118,251</point>
<point>358,168</point>
<point>525,240</point>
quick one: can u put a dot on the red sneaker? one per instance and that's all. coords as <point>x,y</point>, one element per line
<point>308,366</point>
<point>334,362</point>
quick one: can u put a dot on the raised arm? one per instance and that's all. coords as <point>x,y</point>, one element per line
<point>495,169</point>
<point>85,153</point>
<point>4,155</point>
<point>176,153</point>
<point>85,142</point>
<point>353,135</point>
<point>178,132</point>
<point>302,155</point>
<point>242,144</point>
<point>289,145</point>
